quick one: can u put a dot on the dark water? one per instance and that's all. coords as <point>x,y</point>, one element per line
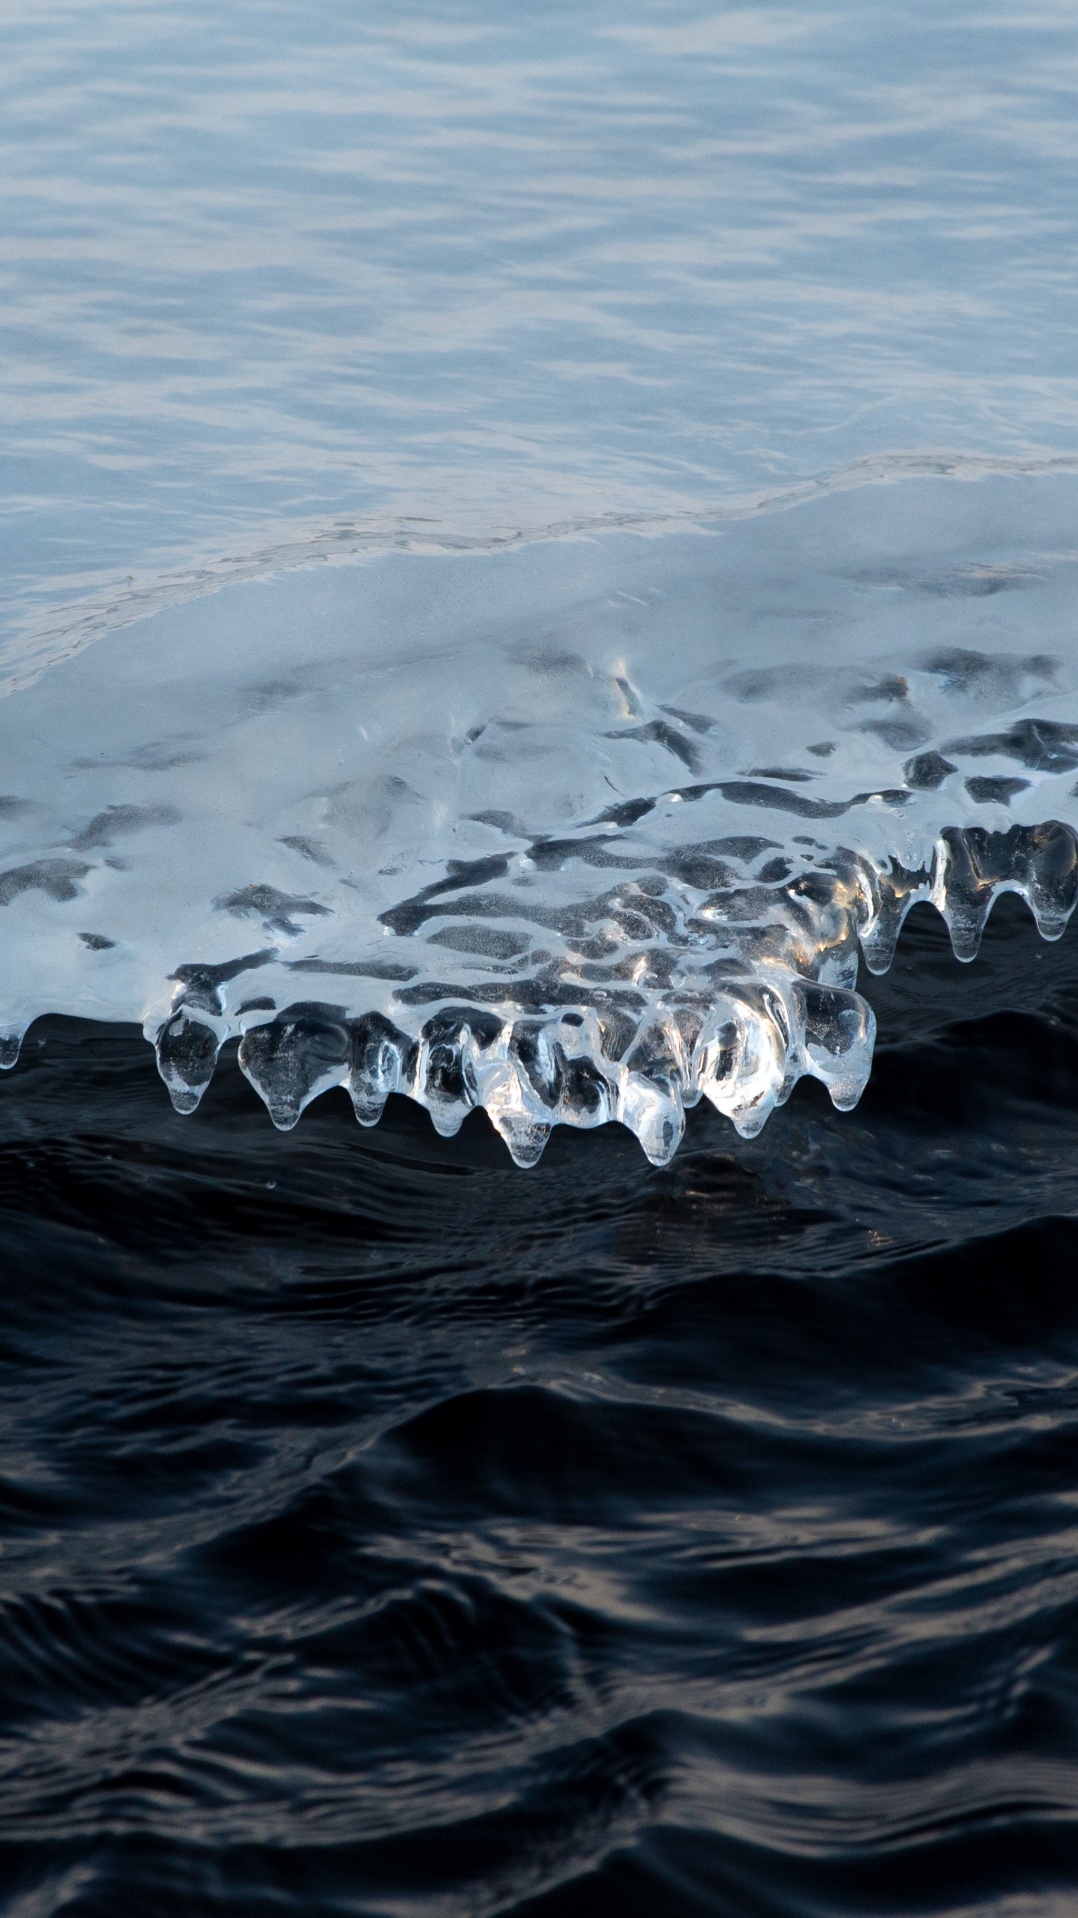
<point>385,1530</point>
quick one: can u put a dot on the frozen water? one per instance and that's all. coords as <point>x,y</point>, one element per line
<point>579,831</point>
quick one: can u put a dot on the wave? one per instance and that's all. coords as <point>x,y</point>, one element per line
<point>580,830</point>
<point>376,1518</point>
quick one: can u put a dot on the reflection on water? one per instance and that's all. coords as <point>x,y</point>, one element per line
<point>470,268</point>
<point>385,1530</point>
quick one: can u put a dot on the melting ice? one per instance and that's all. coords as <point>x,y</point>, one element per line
<point>584,830</point>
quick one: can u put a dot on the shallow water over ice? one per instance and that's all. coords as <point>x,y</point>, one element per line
<point>584,830</point>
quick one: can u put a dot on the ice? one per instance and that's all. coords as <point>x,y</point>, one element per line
<point>577,832</point>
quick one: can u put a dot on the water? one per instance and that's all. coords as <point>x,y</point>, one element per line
<point>275,279</point>
<point>390,1530</point>
<point>540,578</point>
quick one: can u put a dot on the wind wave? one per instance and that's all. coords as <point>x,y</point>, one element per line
<point>579,831</point>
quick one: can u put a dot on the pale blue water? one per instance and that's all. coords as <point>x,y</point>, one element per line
<point>290,276</point>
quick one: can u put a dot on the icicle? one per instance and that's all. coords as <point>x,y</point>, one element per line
<point>740,1063</point>
<point>445,1073</point>
<point>961,892</point>
<point>651,1102</point>
<point>896,891</point>
<point>382,1061</point>
<point>1052,884</point>
<point>839,1032</point>
<point>187,1050</point>
<point>294,1058</point>
<point>11,1038</point>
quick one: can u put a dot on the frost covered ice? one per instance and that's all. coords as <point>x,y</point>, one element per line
<point>584,830</point>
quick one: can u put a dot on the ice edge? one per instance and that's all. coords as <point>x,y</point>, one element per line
<point>742,1043</point>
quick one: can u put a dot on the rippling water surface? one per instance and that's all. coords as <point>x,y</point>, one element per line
<point>680,1523</point>
<point>390,1530</point>
<point>278,274</point>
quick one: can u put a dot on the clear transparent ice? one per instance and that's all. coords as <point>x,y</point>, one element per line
<point>584,830</point>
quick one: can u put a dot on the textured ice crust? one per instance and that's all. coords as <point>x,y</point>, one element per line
<point>585,831</point>
<point>747,988</point>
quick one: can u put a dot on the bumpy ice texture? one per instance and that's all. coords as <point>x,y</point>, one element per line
<point>585,831</point>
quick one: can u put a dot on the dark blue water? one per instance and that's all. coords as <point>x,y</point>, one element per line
<point>385,1530</point>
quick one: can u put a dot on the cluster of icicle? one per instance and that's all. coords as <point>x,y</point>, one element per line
<point>740,1041</point>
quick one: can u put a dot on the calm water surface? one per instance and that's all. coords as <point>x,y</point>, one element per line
<point>278,275</point>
